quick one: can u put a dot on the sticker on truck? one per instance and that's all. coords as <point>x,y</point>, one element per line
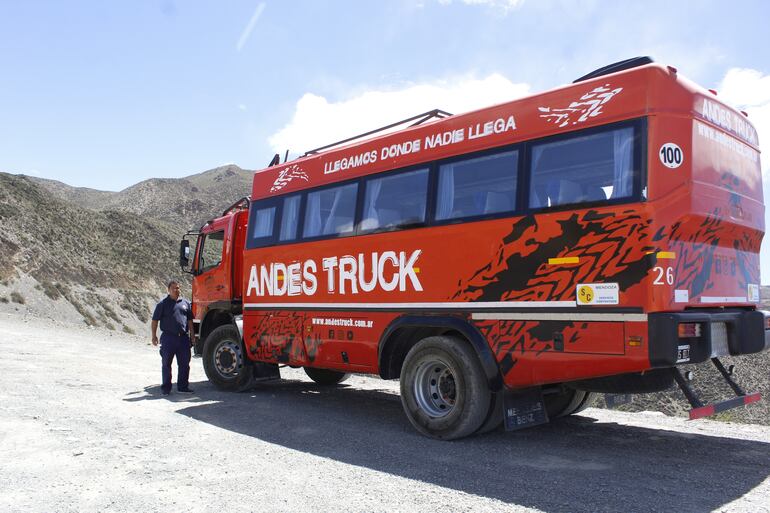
<point>597,294</point>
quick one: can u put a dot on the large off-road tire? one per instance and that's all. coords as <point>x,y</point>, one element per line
<point>325,376</point>
<point>494,415</point>
<point>444,390</point>
<point>224,359</point>
<point>567,402</point>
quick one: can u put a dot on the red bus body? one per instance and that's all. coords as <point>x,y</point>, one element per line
<point>546,295</point>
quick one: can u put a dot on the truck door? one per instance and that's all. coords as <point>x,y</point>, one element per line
<point>212,267</point>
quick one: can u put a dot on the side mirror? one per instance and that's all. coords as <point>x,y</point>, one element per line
<point>184,254</point>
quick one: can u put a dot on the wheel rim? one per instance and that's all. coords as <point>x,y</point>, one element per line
<point>435,388</point>
<point>228,359</point>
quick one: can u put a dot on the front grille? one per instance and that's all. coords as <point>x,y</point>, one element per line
<point>719,339</point>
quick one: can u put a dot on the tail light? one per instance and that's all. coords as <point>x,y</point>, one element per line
<point>689,330</point>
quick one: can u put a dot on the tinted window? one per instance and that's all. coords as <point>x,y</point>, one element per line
<point>478,186</point>
<point>211,252</point>
<point>263,221</point>
<point>583,169</point>
<point>330,211</point>
<point>261,224</point>
<point>396,200</point>
<point>290,218</point>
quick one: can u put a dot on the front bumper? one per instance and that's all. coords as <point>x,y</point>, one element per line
<point>722,333</point>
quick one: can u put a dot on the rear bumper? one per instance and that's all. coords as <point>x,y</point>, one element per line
<point>767,331</point>
<point>722,333</point>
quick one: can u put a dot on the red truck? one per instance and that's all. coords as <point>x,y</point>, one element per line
<point>504,264</point>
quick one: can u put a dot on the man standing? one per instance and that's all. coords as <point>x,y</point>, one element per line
<point>176,324</point>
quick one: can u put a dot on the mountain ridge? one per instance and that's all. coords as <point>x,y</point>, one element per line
<point>189,201</point>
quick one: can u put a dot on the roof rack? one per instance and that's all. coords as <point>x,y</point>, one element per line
<point>421,118</point>
<point>241,204</point>
<point>615,67</point>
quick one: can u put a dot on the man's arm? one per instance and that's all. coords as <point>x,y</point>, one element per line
<point>190,324</point>
<point>156,316</point>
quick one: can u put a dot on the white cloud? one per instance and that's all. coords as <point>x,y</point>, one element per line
<point>503,5</point>
<point>317,122</point>
<point>242,107</point>
<point>250,26</point>
<point>749,90</point>
<point>746,87</point>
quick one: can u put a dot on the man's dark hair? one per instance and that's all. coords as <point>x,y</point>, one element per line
<point>171,282</point>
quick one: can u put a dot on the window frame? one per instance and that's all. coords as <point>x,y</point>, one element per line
<point>254,206</point>
<point>639,163</point>
<point>279,218</point>
<point>524,177</point>
<point>202,250</point>
<point>519,147</point>
<point>303,207</point>
<point>427,167</point>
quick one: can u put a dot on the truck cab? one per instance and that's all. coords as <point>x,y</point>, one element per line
<point>216,266</point>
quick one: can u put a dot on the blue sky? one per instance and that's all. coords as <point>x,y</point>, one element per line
<point>105,94</point>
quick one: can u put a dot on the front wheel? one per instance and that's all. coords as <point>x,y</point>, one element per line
<point>326,376</point>
<point>224,360</point>
<point>444,390</point>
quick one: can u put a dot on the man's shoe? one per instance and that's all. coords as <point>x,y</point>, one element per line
<point>166,392</point>
<point>185,390</point>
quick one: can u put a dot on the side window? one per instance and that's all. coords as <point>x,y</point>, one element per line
<point>477,186</point>
<point>583,169</point>
<point>290,218</point>
<point>396,200</point>
<point>330,211</point>
<point>261,225</point>
<point>210,255</point>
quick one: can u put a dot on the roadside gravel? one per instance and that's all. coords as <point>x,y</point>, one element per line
<point>83,427</point>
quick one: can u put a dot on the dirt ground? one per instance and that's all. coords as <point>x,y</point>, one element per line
<point>83,427</point>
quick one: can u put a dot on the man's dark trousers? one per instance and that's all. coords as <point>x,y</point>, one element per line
<point>179,346</point>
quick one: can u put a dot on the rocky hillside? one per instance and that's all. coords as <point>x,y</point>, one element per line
<point>52,239</point>
<point>83,196</point>
<point>184,202</point>
<point>102,257</point>
<point>52,250</point>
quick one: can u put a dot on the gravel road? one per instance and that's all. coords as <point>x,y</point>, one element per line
<point>83,427</point>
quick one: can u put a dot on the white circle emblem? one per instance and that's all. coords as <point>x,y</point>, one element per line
<point>671,155</point>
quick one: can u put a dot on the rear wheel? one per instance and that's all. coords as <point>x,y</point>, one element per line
<point>444,390</point>
<point>326,376</point>
<point>495,414</point>
<point>567,402</point>
<point>224,360</point>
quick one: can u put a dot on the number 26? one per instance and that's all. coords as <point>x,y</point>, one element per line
<point>668,272</point>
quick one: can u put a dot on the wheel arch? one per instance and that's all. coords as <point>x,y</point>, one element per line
<point>213,319</point>
<point>404,332</point>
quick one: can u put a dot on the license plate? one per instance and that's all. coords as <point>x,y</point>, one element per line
<point>683,354</point>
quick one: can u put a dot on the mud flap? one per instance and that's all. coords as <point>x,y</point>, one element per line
<point>524,408</point>
<point>266,371</point>
<point>615,400</point>
<point>261,372</point>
